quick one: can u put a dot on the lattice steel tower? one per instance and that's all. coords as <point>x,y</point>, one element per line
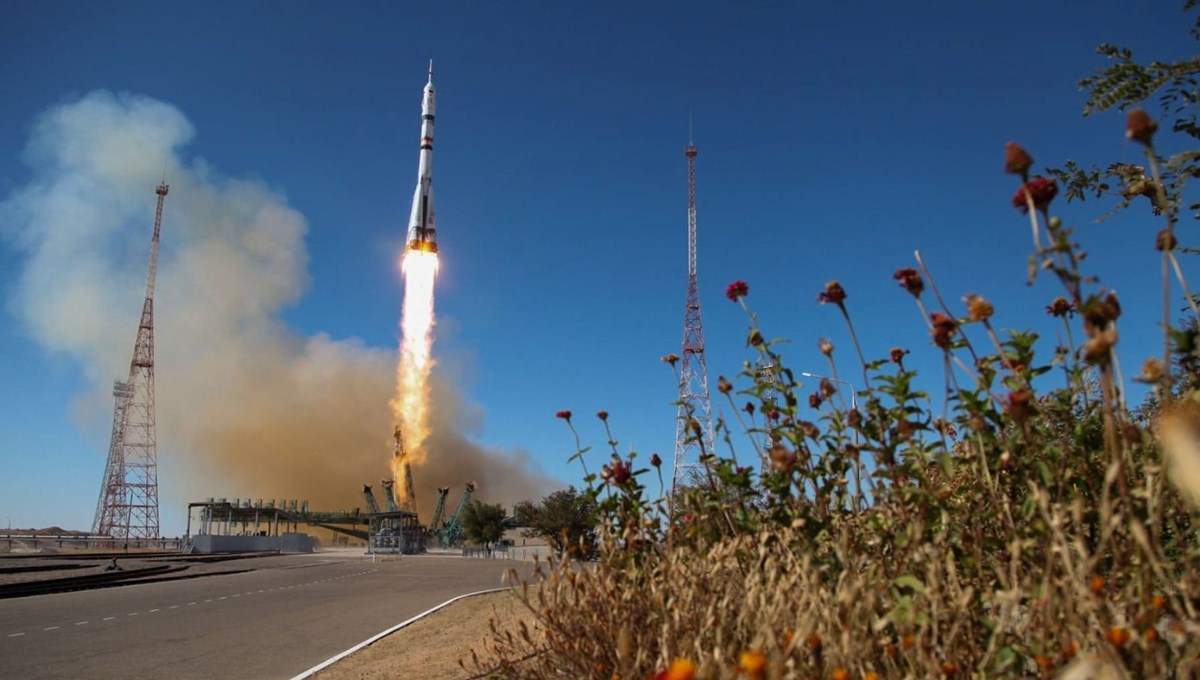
<point>693,428</point>
<point>128,505</point>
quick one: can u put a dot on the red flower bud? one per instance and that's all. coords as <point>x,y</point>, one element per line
<point>565,415</point>
<point>1140,127</point>
<point>1017,161</point>
<point>910,280</point>
<point>1041,189</point>
<point>943,329</point>
<point>833,293</point>
<point>737,290</point>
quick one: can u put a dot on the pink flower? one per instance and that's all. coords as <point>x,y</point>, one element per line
<point>737,290</point>
<point>1041,189</point>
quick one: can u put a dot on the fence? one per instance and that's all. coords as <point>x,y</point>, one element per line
<point>39,542</point>
<point>541,552</point>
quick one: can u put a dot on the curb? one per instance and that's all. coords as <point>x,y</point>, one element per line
<point>379,636</point>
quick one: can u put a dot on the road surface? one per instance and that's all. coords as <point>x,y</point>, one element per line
<point>291,613</point>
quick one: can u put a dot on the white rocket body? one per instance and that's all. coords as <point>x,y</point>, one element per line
<point>422,227</point>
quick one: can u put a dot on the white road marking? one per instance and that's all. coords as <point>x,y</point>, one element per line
<point>81,623</point>
<point>219,598</point>
<point>234,595</point>
<point>51,628</point>
<point>174,606</point>
<point>131,614</point>
<point>15,634</point>
<point>190,604</point>
<point>152,611</point>
<point>209,600</point>
<point>109,618</point>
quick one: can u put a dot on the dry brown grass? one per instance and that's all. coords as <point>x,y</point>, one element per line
<point>432,647</point>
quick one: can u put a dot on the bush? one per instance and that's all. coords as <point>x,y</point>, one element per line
<point>1015,532</point>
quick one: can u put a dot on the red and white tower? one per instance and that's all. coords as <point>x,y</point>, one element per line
<point>128,505</point>
<point>693,429</point>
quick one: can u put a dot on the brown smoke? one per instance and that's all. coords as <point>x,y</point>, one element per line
<point>246,407</point>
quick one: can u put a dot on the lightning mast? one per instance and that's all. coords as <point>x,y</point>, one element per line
<point>128,505</point>
<point>693,428</point>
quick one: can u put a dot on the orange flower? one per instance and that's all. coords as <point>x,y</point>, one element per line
<point>840,673</point>
<point>681,669</point>
<point>949,669</point>
<point>1097,586</point>
<point>870,675</point>
<point>1117,636</point>
<point>1159,602</point>
<point>752,662</point>
<point>1043,662</point>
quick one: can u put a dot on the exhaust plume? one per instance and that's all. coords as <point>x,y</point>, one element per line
<point>246,407</point>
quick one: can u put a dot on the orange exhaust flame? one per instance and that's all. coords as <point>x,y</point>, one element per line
<point>410,406</point>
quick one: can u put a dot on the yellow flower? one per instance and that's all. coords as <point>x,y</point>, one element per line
<point>752,662</point>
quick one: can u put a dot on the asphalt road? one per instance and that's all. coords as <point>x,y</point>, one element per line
<point>288,615</point>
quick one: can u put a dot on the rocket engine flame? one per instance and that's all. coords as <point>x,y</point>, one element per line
<point>410,406</point>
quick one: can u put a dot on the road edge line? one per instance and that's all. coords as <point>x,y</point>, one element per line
<point>379,636</point>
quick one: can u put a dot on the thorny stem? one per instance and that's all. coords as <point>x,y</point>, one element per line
<point>1187,294</point>
<point>857,347</point>
<point>1033,221</point>
<point>1161,199</point>
<point>578,448</point>
<point>945,307</point>
<point>1004,357</point>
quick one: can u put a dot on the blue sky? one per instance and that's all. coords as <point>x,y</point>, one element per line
<point>835,138</point>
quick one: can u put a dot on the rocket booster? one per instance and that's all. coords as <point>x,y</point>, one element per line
<point>422,228</point>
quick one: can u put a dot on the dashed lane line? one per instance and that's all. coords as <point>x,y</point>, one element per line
<point>226,597</point>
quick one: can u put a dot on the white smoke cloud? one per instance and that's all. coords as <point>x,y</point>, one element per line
<point>245,405</point>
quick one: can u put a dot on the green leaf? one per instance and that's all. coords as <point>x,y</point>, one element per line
<point>911,582</point>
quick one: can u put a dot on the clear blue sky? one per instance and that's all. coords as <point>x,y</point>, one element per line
<point>835,138</point>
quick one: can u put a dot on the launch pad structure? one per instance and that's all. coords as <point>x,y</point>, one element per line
<point>244,524</point>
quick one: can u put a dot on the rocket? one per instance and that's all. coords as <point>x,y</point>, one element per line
<point>422,229</point>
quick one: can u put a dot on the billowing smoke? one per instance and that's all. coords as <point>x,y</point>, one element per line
<point>246,407</point>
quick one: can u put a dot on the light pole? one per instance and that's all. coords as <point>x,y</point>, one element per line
<point>853,398</point>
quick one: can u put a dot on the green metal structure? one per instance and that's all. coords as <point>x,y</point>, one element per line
<point>440,510</point>
<point>452,533</point>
